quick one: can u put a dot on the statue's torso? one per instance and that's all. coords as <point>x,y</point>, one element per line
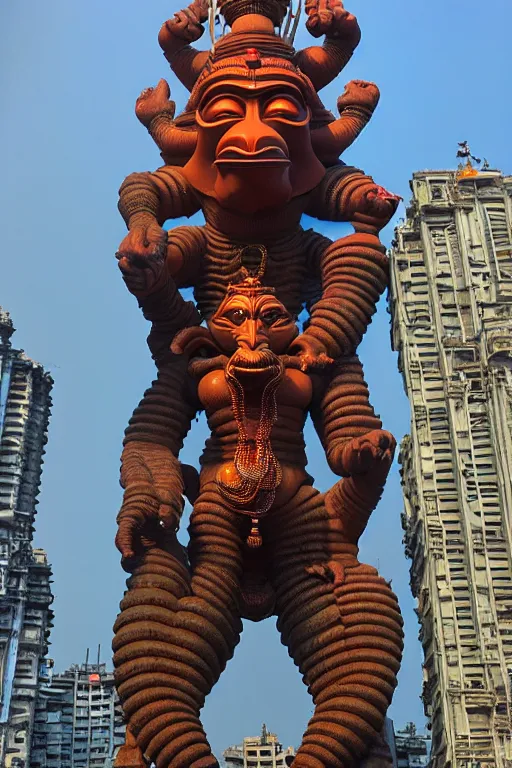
<point>293,398</point>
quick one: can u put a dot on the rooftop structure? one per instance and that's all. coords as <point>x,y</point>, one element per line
<point>411,747</point>
<point>451,305</point>
<point>263,751</point>
<point>25,593</point>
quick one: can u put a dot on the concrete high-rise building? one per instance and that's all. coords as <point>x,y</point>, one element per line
<point>451,306</point>
<point>263,751</point>
<point>25,594</point>
<point>78,720</point>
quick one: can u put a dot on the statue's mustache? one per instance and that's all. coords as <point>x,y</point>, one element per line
<point>253,360</point>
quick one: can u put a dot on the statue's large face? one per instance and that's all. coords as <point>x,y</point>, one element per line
<point>252,324</point>
<point>254,146</point>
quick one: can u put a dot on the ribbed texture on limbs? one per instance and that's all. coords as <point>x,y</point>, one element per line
<point>186,247</point>
<point>354,275</point>
<point>153,483</point>
<point>352,500</point>
<point>175,634</point>
<point>163,195</point>
<point>344,412</point>
<point>165,413</point>
<point>323,64</point>
<point>347,194</point>
<point>166,309</point>
<point>168,313</point>
<point>343,629</point>
<point>137,195</point>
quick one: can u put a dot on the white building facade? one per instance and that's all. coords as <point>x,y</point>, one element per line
<point>451,306</point>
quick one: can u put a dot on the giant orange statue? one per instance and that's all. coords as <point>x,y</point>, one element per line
<point>254,150</point>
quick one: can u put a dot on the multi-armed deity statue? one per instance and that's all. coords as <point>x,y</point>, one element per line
<point>253,150</point>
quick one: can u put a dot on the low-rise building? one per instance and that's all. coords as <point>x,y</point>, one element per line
<point>412,748</point>
<point>265,751</point>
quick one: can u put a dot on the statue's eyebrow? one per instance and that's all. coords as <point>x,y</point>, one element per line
<point>265,302</point>
<point>243,301</point>
<point>232,89</point>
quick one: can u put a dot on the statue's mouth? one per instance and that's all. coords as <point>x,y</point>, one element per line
<point>268,157</point>
<point>254,369</point>
<point>254,361</point>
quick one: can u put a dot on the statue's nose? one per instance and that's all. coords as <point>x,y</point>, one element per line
<point>253,135</point>
<point>252,336</point>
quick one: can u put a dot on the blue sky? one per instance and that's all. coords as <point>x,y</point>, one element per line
<point>70,72</point>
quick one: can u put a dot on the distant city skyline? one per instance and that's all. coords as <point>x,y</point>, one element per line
<point>70,77</point>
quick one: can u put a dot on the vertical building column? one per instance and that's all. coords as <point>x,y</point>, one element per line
<point>451,306</point>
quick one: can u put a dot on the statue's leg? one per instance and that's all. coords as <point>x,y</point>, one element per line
<point>342,626</point>
<point>176,631</point>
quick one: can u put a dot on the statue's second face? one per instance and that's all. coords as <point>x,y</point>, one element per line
<point>254,146</point>
<point>252,324</point>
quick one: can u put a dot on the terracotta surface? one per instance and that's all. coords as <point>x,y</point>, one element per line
<point>254,150</point>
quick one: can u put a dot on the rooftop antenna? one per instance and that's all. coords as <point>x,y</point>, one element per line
<point>87,658</point>
<point>99,651</point>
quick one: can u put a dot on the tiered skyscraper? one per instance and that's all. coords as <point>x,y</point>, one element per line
<point>25,595</point>
<point>451,303</point>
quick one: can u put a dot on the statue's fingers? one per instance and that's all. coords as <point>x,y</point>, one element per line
<point>366,456</point>
<point>125,537</point>
<point>180,20</point>
<point>133,242</point>
<point>202,6</point>
<point>167,516</point>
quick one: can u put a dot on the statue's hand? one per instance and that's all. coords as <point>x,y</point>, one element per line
<point>310,351</point>
<point>329,17</point>
<point>187,25</point>
<point>359,93</point>
<point>370,453</point>
<point>153,481</point>
<point>141,257</point>
<point>371,200</point>
<point>145,511</point>
<point>153,102</point>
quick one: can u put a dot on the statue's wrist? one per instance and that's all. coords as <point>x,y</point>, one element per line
<point>141,219</point>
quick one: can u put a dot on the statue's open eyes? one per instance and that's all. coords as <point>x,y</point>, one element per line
<point>237,316</point>
<point>284,107</point>
<point>273,316</point>
<point>223,108</point>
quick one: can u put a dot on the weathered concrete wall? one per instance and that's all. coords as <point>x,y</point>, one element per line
<point>451,304</point>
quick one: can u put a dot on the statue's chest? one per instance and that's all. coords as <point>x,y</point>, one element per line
<point>294,391</point>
